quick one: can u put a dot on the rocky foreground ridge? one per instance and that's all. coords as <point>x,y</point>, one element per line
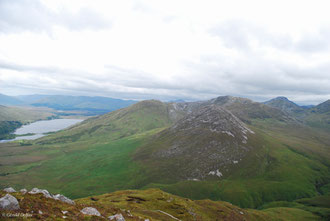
<point>142,205</point>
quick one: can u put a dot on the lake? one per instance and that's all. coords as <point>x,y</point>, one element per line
<point>39,128</point>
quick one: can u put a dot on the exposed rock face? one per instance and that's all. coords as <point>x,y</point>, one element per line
<point>63,199</point>
<point>117,217</point>
<point>201,145</point>
<point>8,202</point>
<point>44,192</point>
<point>9,190</point>
<point>90,211</point>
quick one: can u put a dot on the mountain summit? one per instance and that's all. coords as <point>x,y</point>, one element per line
<point>285,105</point>
<point>204,144</point>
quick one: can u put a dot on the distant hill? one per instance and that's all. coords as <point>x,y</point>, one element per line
<point>285,105</point>
<point>322,108</point>
<point>97,105</point>
<point>89,105</point>
<point>315,116</point>
<point>13,117</point>
<point>8,100</point>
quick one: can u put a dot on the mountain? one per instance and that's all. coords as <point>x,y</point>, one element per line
<point>202,145</point>
<point>285,105</point>
<point>8,100</point>
<point>138,118</point>
<point>322,108</point>
<point>151,204</point>
<point>319,116</point>
<point>227,148</point>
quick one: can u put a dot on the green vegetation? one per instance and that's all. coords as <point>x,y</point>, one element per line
<point>285,173</point>
<point>7,127</point>
<point>152,204</point>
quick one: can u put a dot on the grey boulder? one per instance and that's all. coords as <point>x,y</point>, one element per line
<point>90,211</point>
<point>9,202</point>
<point>117,217</point>
<point>23,191</point>
<point>9,190</point>
<point>44,192</point>
<point>63,199</point>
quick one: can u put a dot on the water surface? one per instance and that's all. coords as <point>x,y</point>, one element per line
<point>39,128</point>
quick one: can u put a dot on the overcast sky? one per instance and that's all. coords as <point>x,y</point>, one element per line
<point>166,49</point>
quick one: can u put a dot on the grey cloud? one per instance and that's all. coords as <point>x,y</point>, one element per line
<point>32,15</point>
<point>241,35</point>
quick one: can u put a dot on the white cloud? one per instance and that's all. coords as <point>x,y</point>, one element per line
<point>166,49</point>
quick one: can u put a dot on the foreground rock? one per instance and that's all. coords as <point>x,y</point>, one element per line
<point>63,199</point>
<point>23,191</point>
<point>9,190</point>
<point>8,202</point>
<point>117,217</point>
<point>90,211</point>
<point>44,192</point>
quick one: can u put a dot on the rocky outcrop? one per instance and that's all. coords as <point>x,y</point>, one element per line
<point>44,192</point>
<point>55,197</point>
<point>202,145</point>
<point>117,217</point>
<point>63,199</point>
<point>90,211</point>
<point>8,202</point>
<point>9,190</point>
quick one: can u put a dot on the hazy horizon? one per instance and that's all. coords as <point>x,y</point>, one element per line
<point>165,100</point>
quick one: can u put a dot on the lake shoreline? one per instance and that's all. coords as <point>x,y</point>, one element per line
<point>40,129</point>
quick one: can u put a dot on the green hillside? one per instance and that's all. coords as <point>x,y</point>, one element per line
<point>162,145</point>
<point>152,204</point>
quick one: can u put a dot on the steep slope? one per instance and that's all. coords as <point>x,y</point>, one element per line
<point>285,105</point>
<point>204,144</point>
<point>138,118</point>
<point>152,204</point>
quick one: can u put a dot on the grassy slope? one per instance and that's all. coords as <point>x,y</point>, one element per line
<point>100,162</point>
<point>23,115</point>
<point>76,169</point>
<point>270,173</point>
<point>140,117</point>
<point>152,204</point>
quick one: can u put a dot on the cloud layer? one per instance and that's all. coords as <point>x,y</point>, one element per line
<point>166,50</point>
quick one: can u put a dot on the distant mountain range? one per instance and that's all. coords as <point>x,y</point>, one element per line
<point>90,105</point>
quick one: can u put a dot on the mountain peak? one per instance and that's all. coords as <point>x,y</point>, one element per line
<point>284,104</point>
<point>323,107</point>
<point>210,135</point>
